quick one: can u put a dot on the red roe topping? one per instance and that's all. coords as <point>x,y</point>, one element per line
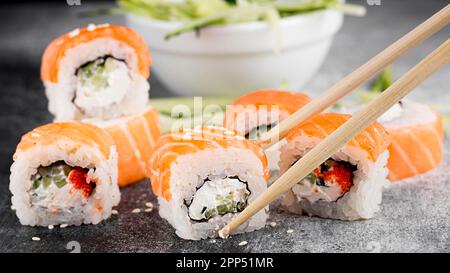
<point>336,172</point>
<point>79,179</point>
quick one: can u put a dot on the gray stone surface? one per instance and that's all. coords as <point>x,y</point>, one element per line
<point>415,215</point>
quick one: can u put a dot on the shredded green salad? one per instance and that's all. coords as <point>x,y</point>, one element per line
<point>200,14</point>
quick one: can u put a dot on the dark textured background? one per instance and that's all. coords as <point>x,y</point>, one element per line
<point>414,217</point>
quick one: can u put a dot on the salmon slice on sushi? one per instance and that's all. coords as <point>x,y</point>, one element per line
<point>135,137</point>
<point>203,177</point>
<point>96,72</point>
<point>348,186</point>
<point>64,173</point>
<point>416,135</point>
<point>255,113</point>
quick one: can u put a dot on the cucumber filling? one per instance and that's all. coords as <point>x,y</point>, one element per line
<point>218,197</point>
<point>60,186</point>
<point>102,82</point>
<point>54,174</point>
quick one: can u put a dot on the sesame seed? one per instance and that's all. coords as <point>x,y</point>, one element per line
<point>243,243</point>
<point>74,33</point>
<point>35,238</point>
<point>148,210</point>
<point>149,205</point>
<point>213,241</point>
<point>273,224</point>
<point>63,225</point>
<point>51,227</point>
<point>91,27</point>
<point>136,211</point>
<point>114,212</point>
<point>289,230</point>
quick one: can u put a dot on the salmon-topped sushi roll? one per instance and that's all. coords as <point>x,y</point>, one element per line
<point>416,134</point>
<point>203,177</point>
<point>135,137</point>
<point>348,186</point>
<point>96,72</point>
<point>64,173</point>
<point>255,113</point>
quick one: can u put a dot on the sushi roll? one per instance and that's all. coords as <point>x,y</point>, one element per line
<point>64,173</point>
<point>135,137</point>
<point>348,186</point>
<point>257,112</point>
<point>96,72</point>
<point>416,135</point>
<point>203,177</point>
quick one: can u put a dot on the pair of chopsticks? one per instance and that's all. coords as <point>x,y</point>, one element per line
<point>359,121</point>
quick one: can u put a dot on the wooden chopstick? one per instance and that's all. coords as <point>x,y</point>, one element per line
<point>359,76</point>
<point>357,123</point>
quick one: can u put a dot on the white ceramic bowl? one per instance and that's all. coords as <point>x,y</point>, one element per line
<point>235,59</point>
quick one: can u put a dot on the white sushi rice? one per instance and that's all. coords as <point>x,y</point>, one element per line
<point>362,201</point>
<point>131,101</point>
<point>95,209</point>
<point>408,113</point>
<point>188,173</point>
